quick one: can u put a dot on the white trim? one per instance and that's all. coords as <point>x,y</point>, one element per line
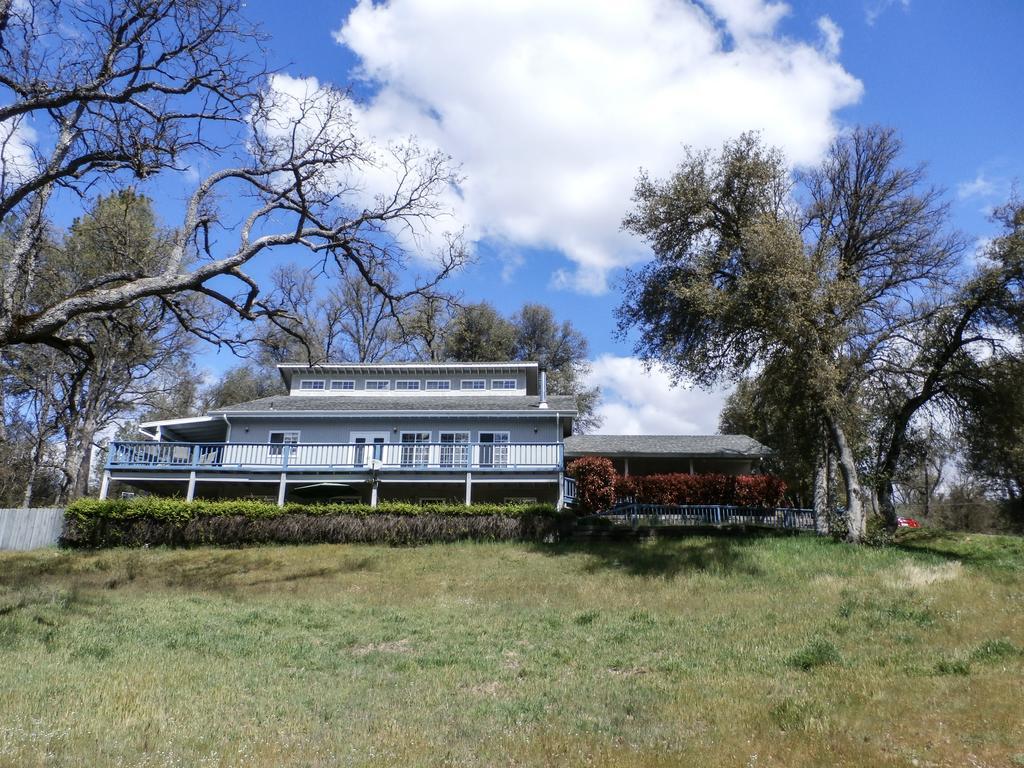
<point>464,382</point>
<point>417,388</point>
<point>174,422</point>
<point>368,388</point>
<point>311,383</point>
<point>351,388</point>
<point>447,388</point>
<point>503,382</point>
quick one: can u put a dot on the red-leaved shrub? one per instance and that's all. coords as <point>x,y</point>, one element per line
<point>595,482</point>
<point>709,488</point>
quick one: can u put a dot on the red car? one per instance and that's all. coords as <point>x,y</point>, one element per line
<point>907,522</point>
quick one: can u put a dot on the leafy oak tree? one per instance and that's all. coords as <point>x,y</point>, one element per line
<point>846,281</point>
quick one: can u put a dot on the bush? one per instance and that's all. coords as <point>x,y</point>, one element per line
<point>595,482</point>
<point>153,521</point>
<point>764,491</point>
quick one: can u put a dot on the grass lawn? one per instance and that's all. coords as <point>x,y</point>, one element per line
<point>729,651</point>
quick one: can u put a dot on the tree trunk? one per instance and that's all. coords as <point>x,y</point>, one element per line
<point>822,513</point>
<point>856,517</point>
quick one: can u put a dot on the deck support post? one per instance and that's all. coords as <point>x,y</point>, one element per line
<point>561,492</point>
<point>191,494</point>
<point>282,488</point>
<point>105,484</point>
<point>469,488</point>
<point>625,466</point>
<point>373,492</point>
<point>691,466</point>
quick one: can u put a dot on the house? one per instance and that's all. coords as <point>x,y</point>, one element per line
<point>421,432</point>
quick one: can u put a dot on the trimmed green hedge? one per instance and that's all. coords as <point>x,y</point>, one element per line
<point>154,521</point>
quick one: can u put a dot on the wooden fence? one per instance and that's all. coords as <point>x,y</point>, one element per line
<point>30,528</point>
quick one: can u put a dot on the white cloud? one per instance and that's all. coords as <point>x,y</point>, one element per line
<point>553,107</point>
<point>636,401</point>
<point>979,186</point>
<point>831,36</point>
<point>17,162</point>
<point>875,8</point>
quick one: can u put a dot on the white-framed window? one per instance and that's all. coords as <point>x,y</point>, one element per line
<point>494,449</point>
<point>280,439</point>
<point>415,449</point>
<point>454,449</point>
<point>343,384</point>
<point>407,384</point>
<point>439,384</point>
<point>312,384</point>
<point>474,384</point>
<point>504,384</point>
<point>378,384</point>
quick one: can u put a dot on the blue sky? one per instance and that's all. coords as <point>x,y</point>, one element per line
<point>553,107</point>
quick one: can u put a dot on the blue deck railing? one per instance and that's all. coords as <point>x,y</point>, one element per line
<point>278,457</point>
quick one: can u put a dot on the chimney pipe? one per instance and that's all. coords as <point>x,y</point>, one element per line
<point>543,389</point>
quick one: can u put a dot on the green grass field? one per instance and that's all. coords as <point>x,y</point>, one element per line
<point>731,651</point>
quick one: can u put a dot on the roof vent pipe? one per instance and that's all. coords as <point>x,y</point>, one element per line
<point>543,389</point>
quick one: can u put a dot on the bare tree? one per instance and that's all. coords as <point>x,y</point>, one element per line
<point>141,88</point>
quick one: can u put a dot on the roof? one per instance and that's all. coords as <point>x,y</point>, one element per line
<point>739,446</point>
<point>439,404</point>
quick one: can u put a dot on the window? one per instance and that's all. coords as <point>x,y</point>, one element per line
<point>504,384</point>
<point>311,384</point>
<point>494,449</point>
<point>415,449</point>
<point>280,439</point>
<point>343,384</point>
<point>439,384</point>
<point>378,384</point>
<point>454,449</point>
<point>474,384</point>
<point>424,500</point>
<point>407,384</point>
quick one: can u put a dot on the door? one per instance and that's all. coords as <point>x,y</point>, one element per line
<point>493,449</point>
<point>454,449</point>
<point>368,446</point>
<point>415,449</point>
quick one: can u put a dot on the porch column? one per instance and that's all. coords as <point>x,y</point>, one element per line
<point>469,488</point>
<point>105,484</point>
<point>191,494</point>
<point>625,466</point>
<point>373,493</point>
<point>691,466</point>
<point>281,489</point>
<point>561,491</point>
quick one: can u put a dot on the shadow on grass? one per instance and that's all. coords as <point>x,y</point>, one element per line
<point>668,555</point>
<point>984,551</point>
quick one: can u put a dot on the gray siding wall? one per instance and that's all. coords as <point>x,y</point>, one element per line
<point>338,429</point>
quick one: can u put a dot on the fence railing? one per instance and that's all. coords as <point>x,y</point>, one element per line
<point>278,457</point>
<point>636,514</point>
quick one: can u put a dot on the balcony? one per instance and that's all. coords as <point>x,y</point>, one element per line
<point>348,457</point>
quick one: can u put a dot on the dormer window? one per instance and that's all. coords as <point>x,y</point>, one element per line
<point>504,384</point>
<point>474,384</point>
<point>378,384</point>
<point>344,384</point>
<point>312,384</point>
<point>407,384</point>
<point>439,384</point>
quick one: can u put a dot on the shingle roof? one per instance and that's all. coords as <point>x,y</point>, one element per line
<point>664,445</point>
<point>443,403</point>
